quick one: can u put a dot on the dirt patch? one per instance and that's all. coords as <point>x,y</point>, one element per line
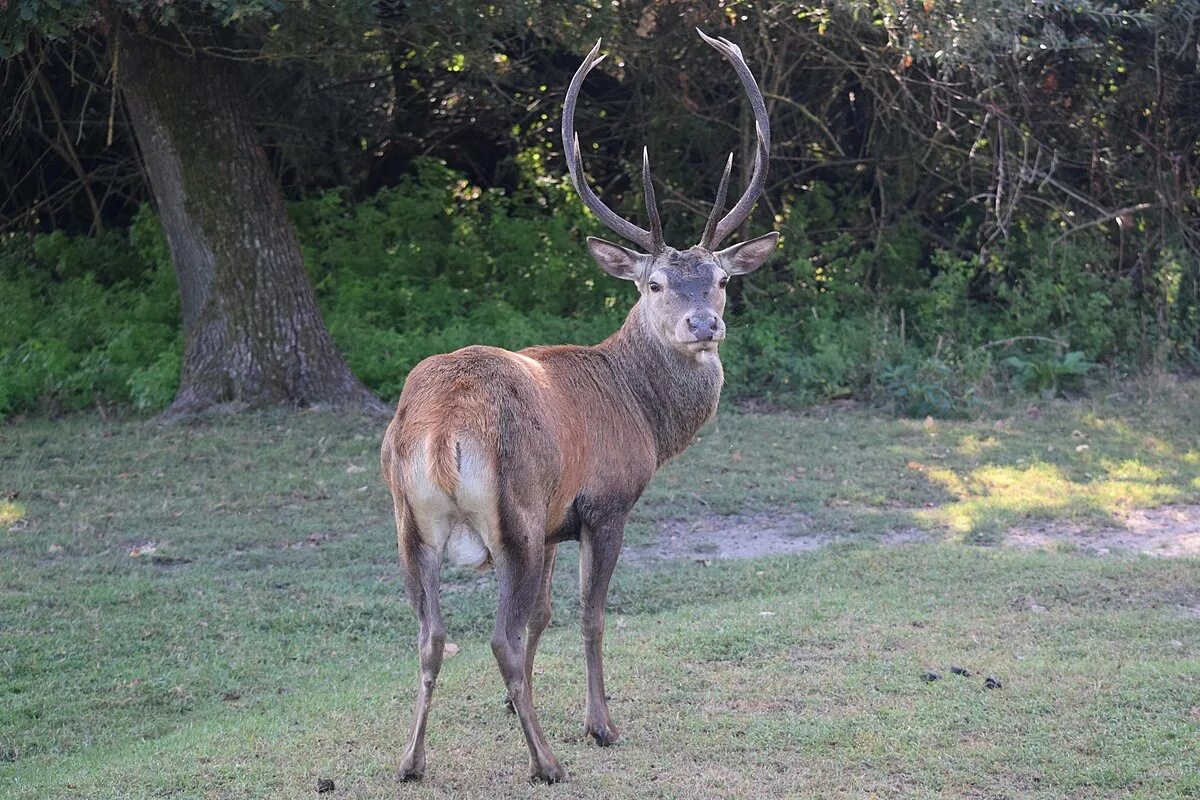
<point>714,537</point>
<point>316,539</point>
<point>905,536</point>
<point>1168,531</point>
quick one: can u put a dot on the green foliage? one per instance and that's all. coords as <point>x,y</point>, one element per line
<point>1049,375</point>
<point>942,237</point>
<point>435,264</point>
<point>927,387</point>
<point>59,19</point>
<point>88,320</point>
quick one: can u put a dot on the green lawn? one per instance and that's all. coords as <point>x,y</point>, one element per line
<point>215,610</point>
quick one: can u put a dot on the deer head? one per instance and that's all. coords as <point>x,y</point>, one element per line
<point>683,291</point>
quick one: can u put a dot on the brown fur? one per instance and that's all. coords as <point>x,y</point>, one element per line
<point>572,436</point>
<point>601,419</point>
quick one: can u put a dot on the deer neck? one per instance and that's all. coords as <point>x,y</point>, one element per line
<point>676,392</point>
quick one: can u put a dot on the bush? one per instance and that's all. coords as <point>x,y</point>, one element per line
<point>88,320</point>
<point>435,264</point>
<point>1049,376</point>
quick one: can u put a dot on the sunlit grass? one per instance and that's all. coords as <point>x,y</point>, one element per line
<point>11,513</point>
<point>1077,464</point>
<point>993,498</point>
<point>974,446</point>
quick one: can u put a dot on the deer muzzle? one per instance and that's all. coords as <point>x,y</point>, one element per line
<point>705,326</point>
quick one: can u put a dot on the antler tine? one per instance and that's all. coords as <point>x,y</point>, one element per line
<point>618,225</point>
<point>656,231</point>
<point>758,181</point>
<point>762,126</point>
<point>706,241</point>
<point>622,227</point>
<point>568,119</point>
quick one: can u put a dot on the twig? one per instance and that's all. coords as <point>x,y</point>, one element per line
<point>1014,339</point>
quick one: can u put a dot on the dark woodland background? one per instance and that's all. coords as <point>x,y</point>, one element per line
<point>217,202</point>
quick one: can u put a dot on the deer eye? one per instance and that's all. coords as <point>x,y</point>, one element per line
<point>654,287</point>
<point>722,282</point>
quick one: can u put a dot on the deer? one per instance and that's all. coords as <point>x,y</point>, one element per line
<point>499,456</point>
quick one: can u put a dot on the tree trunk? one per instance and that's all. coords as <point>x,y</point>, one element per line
<point>254,334</point>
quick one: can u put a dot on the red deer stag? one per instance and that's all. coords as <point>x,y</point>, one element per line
<point>501,456</point>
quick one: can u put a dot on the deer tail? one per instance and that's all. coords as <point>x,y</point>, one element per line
<point>442,461</point>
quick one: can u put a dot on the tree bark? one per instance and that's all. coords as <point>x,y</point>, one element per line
<point>254,334</point>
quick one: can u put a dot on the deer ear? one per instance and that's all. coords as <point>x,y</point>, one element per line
<point>620,262</point>
<point>747,256</point>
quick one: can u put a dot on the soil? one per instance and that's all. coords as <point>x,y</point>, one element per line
<point>714,537</point>
<point>1168,531</point>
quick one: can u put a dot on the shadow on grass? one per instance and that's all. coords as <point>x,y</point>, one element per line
<point>1079,468</point>
<point>1079,464</point>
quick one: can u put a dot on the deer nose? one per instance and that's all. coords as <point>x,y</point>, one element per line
<point>704,325</point>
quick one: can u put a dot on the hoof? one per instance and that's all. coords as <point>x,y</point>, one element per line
<point>605,735</point>
<point>409,772</point>
<point>550,773</point>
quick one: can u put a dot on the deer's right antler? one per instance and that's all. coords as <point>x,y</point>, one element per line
<point>649,240</point>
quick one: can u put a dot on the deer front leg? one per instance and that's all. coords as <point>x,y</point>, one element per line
<point>519,574</point>
<point>599,547</point>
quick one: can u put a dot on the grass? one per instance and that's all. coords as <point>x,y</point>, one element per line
<point>215,611</point>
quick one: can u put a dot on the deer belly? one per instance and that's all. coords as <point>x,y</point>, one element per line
<point>466,548</point>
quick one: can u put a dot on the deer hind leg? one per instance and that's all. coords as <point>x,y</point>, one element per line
<point>422,570</point>
<point>519,570</point>
<point>539,619</point>
<point>599,547</point>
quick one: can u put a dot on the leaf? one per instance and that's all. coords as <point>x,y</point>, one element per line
<point>147,549</point>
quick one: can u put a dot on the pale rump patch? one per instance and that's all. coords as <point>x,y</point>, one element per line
<point>465,547</point>
<point>464,522</point>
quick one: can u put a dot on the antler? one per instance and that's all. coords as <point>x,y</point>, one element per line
<point>716,231</point>
<point>649,240</point>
